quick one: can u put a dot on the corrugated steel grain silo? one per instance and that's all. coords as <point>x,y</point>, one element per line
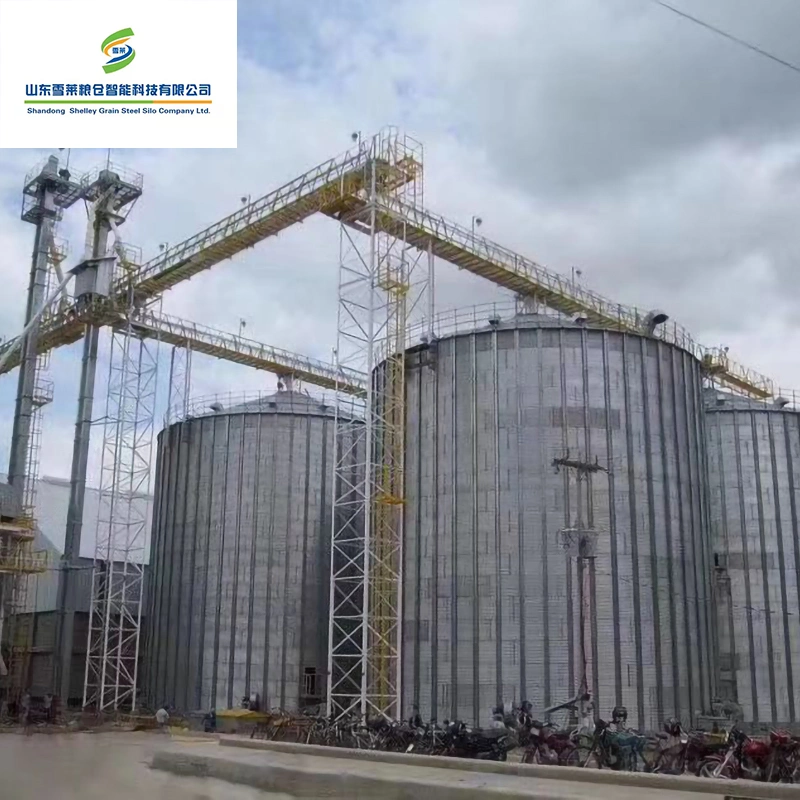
<point>241,556</point>
<point>754,477</point>
<point>491,598</point>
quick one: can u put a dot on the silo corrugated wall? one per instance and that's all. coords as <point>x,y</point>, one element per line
<point>491,599</point>
<point>754,467</point>
<point>240,557</point>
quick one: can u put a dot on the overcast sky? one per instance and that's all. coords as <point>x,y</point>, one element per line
<point>611,135</point>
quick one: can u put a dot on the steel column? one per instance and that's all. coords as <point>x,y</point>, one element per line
<point>77,491</point>
<point>97,247</point>
<point>23,410</point>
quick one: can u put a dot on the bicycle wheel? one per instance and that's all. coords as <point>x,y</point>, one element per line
<point>592,761</point>
<point>571,758</point>
<point>711,767</point>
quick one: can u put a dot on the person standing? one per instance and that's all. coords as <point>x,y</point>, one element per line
<point>25,707</point>
<point>162,718</point>
<point>48,708</point>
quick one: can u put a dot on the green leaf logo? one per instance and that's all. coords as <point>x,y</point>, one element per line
<point>116,47</point>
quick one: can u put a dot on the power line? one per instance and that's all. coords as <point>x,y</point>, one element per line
<point>727,35</point>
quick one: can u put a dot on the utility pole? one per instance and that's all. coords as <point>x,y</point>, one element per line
<point>579,541</point>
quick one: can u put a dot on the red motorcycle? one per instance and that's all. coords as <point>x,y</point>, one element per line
<point>547,745</point>
<point>755,759</point>
<point>783,765</point>
<point>773,760</point>
<point>725,764</point>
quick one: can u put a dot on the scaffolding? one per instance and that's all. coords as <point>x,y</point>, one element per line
<point>47,191</point>
<point>382,279</point>
<point>20,625</point>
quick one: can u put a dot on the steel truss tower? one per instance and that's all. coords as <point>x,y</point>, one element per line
<point>118,569</point>
<point>111,191</point>
<point>180,383</point>
<point>383,280</point>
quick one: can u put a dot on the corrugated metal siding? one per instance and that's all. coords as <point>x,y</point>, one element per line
<point>240,559</point>
<point>43,588</point>
<point>42,640</point>
<point>754,464</point>
<point>491,600</point>
<point>52,500</point>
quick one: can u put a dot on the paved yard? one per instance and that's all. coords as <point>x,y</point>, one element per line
<point>83,766</point>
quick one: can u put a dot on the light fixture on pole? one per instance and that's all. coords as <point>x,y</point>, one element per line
<point>476,223</point>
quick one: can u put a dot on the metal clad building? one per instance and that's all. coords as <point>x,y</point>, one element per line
<point>491,609</point>
<point>754,465</point>
<point>37,632</point>
<point>241,556</point>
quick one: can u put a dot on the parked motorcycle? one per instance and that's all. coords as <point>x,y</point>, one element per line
<point>617,750</point>
<point>666,752</point>
<point>547,745</point>
<point>492,745</point>
<point>726,764</point>
<point>783,764</point>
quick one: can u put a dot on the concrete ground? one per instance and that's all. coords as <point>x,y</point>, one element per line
<point>316,776</point>
<point>101,766</point>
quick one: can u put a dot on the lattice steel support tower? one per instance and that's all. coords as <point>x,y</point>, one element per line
<point>382,281</point>
<point>111,192</point>
<point>117,578</point>
<point>180,383</point>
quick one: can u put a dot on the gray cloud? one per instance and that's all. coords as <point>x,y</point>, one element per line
<point>573,94</point>
<point>613,136</point>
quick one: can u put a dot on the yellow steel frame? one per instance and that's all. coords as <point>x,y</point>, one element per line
<point>379,286</point>
<point>481,256</point>
<point>385,556</point>
<point>66,327</point>
<point>22,560</point>
<point>718,366</point>
<point>399,276</point>
<point>337,188</point>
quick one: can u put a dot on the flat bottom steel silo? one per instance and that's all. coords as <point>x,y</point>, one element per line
<point>492,600</point>
<point>241,557</point>
<point>754,476</point>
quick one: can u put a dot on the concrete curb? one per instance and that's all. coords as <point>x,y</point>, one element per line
<point>746,790</point>
<point>187,733</point>
<point>309,781</point>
